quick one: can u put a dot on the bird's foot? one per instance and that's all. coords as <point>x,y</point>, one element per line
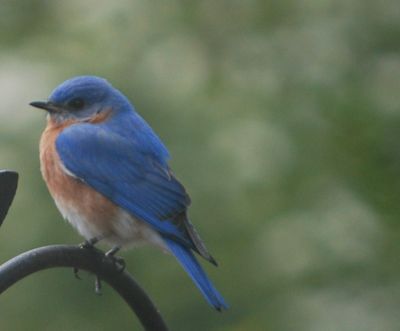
<point>97,281</point>
<point>89,243</point>
<point>118,261</point>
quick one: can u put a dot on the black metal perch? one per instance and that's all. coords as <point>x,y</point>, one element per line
<point>89,259</point>
<point>8,187</point>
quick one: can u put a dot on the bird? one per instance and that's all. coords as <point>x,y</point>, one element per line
<point>108,173</point>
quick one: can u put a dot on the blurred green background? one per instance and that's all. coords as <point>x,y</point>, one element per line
<point>283,120</point>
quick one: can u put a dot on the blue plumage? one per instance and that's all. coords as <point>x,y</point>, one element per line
<point>130,177</point>
<point>123,159</point>
<point>199,277</point>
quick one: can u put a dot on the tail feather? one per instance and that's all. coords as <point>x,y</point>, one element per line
<point>197,274</point>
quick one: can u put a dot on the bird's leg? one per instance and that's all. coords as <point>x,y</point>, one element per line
<point>113,251</point>
<point>89,243</point>
<point>118,261</point>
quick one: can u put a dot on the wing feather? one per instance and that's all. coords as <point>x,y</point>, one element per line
<point>132,175</point>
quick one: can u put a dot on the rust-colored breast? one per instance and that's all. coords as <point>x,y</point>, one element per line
<point>72,196</point>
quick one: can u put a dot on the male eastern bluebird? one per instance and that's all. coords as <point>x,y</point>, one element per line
<point>108,174</point>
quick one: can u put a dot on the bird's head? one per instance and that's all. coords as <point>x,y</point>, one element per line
<point>81,98</point>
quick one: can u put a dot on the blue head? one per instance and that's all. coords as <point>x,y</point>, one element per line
<point>82,97</point>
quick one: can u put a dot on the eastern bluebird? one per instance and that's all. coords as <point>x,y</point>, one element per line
<point>109,176</point>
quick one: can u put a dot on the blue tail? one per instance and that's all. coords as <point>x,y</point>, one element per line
<point>199,277</point>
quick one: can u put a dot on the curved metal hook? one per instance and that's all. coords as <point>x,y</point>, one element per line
<point>89,259</point>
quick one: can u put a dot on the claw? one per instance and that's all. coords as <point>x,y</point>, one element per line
<point>118,261</point>
<point>90,242</point>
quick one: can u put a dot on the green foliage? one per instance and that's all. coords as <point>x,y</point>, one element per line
<point>283,122</point>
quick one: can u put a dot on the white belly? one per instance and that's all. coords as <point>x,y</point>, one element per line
<point>125,229</point>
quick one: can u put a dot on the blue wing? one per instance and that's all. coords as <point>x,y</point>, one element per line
<point>130,168</point>
<point>127,163</point>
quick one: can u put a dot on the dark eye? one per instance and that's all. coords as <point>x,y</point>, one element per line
<point>76,103</point>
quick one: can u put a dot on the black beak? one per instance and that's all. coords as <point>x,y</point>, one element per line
<point>46,106</point>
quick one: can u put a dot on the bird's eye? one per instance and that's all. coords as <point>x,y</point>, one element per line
<point>76,103</point>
